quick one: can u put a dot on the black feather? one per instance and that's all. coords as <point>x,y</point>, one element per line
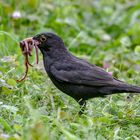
<point>76,77</point>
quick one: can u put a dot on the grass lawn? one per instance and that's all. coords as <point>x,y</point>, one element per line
<point>104,32</point>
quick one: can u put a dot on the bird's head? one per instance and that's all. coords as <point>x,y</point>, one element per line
<point>47,43</point>
<point>47,40</point>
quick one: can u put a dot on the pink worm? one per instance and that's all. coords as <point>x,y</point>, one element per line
<point>26,48</point>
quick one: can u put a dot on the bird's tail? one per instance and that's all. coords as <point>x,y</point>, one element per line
<point>121,87</point>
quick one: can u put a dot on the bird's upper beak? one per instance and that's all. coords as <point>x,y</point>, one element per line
<point>36,41</point>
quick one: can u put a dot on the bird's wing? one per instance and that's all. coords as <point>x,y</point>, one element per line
<point>81,72</point>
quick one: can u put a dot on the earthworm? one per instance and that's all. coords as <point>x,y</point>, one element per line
<point>26,47</point>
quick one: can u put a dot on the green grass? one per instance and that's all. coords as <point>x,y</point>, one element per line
<point>102,32</point>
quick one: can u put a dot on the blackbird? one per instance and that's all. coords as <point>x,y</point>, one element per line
<point>74,76</point>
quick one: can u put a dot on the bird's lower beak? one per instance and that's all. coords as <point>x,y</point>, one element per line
<point>36,42</point>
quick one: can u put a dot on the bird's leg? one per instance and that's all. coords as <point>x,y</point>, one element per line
<point>82,104</point>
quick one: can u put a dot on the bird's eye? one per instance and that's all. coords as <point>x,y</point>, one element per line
<point>42,38</point>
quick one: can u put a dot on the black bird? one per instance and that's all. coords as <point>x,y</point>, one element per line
<point>74,76</point>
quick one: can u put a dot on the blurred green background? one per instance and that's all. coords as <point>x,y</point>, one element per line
<point>104,32</point>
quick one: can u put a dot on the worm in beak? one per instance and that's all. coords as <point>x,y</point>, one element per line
<point>26,46</point>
